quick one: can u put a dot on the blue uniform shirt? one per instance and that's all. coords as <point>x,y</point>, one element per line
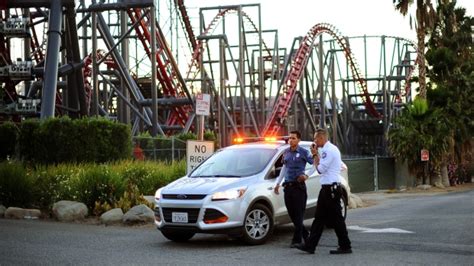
<point>295,162</point>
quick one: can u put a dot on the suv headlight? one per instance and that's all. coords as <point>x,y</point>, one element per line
<point>158,194</point>
<point>229,194</point>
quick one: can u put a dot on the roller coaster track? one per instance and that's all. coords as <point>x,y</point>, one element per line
<point>194,66</point>
<point>187,23</point>
<point>167,70</point>
<point>87,73</point>
<point>298,66</point>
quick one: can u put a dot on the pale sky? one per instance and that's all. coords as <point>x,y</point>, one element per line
<point>352,17</point>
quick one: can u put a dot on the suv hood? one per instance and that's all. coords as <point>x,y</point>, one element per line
<point>200,185</point>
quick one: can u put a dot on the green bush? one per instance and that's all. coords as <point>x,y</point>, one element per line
<point>98,186</point>
<point>8,138</point>
<point>59,140</point>
<point>149,176</point>
<point>29,140</point>
<point>16,185</point>
<point>51,182</point>
<point>93,183</point>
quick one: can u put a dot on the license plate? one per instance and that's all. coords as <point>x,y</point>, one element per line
<point>179,217</point>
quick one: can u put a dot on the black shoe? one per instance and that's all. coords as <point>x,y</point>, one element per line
<point>341,251</point>
<point>304,248</point>
<point>293,245</point>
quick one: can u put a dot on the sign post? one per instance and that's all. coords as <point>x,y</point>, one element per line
<point>203,104</point>
<point>197,152</point>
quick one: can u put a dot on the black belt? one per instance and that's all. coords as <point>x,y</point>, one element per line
<point>292,183</point>
<point>330,185</point>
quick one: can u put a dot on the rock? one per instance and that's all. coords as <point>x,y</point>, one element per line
<point>112,217</point>
<point>2,211</point>
<point>19,213</point>
<point>65,210</point>
<point>423,187</point>
<point>139,214</point>
<point>355,202</point>
<point>439,185</point>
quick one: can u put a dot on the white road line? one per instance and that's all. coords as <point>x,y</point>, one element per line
<point>379,230</point>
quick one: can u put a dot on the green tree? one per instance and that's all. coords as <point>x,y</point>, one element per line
<point>417,128</point>
<point>425,19</point>
<point>451,73</point>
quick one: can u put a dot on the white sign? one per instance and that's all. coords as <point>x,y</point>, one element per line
<point>197,152</point>
<point>203,104</point>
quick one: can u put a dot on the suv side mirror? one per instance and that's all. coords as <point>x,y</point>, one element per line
<point>274,172</point>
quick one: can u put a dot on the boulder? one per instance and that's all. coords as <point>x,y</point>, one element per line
<point>19,213</point>
<point>355,202</point>
<point>139,214</point>
<point>2,211</point>
<point>423,187</point>
<point>112,217</point>
<point>67,211</point>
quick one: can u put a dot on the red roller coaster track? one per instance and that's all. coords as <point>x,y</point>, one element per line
<point>298,65</point>
<point>167,68</point>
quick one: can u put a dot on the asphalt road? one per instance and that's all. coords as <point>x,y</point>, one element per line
<point>416,230</point>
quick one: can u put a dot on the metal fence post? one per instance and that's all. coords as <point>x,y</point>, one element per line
<point>376,173</point>
<point>172,148</point>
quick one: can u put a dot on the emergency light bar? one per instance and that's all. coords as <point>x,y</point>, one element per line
<point>241,140</point>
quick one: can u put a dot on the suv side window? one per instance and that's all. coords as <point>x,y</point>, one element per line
<point>275,171</point>
<point>309,168</point>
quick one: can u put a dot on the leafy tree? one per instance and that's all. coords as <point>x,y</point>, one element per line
<point>425,18</point>
<point>451,74</point>
<point>417,128</point>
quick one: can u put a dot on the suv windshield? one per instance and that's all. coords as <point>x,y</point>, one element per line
<point>235,163</point>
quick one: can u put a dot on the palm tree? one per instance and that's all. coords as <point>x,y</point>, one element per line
<point>417,128</point>
<point>425,19</point>
<point>451,76</point>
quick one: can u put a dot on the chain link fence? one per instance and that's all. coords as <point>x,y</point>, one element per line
<point>158,149</point>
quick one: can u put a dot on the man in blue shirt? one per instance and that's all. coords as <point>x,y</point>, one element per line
<point>294,163</point>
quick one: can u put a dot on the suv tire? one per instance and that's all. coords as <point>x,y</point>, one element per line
<point>258,225</point>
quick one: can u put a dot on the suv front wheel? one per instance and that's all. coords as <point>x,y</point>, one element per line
<point>258,225</point>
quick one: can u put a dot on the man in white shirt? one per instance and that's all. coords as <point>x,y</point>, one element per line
<point>328,210</point>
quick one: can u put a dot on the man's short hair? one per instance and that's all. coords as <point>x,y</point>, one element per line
<point>322,131</point>
<point>297,133</point>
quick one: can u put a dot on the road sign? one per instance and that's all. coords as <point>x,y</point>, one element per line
<point>425,155</point>
<point>197,152</point>
<point>203,103</point>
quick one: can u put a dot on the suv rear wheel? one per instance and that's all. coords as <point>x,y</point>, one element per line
<point>258,225</point>
<point>177,236</point>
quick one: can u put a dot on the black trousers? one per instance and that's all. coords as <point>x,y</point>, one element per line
<point>295,202</point>
<point>329,211</point>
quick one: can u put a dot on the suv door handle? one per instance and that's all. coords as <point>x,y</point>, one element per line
<point>270,188</point>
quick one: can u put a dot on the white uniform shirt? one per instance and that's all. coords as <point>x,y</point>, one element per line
<point>329,164</point>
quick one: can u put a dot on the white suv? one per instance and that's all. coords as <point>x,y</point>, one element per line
<point>232,193</point>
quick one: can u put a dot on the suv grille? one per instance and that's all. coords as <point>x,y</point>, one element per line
<point>184,196</point>
<point>192,214</point>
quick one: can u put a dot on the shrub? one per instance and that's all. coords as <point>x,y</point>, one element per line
<point>8,138</point>
<point>51,182</point>
<point>16,185</point>
<point>149,176</point>
<point>29,140</point>
<point>93,183</point>
<point>58,138</point>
